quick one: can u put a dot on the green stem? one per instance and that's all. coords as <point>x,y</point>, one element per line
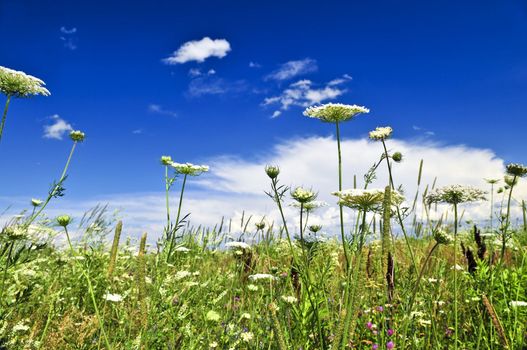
<point>342,236</point>
<point>455,279</point>
<point>173,235</point>
<point>52,192</point>
<point>167,189</point>
<point>5,271</point>
<point>507,221</point>
<point>4,116</point>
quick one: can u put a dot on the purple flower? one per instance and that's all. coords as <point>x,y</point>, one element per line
<point>380,308</point>
<point>375,346</point>
<point>369,325</point>
<point>390,332</point>
<point>390,345</point>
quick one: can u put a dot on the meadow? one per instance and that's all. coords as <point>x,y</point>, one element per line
<point>411,273</point>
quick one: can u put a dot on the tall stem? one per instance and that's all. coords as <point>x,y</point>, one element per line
<point>455,278</point>
<point>5,271</point>
<point>4,116</point>
<point>507,220</point>
<point>491,206</point>
<point>173,235</point>
<point>167,189</point>
<point>52,192</point>
<point>342,236</point>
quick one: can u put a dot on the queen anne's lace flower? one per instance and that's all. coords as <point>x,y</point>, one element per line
<point>189,168</point>
<point>302,195</point>
<point>19,84</point>
<point>455,194</point>
<point>369,200</point>
<point>261,276</point>
<point>310,206</point>
<point>381,133</point>
<point>515,169</point>
<point>166,160</point>
<point>334,112</point>
<point>115,298</point>
<point>77,136</point>
<point>241,245</point>
<point>443,237</point>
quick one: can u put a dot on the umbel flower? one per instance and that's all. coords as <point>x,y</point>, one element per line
<point>381,133</point>
<point>189,168</point>
<point>19,84</point>
<point>455,194</point>
<point>368,200</point>
<point>166,160</point>
<point>77,136</point>
<point>334,112</point>
<point>442,237</point>
<point>310,206</point>
<point>303,196</point>
<point>515,169</point>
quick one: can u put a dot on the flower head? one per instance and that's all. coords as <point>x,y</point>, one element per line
<point>213,316</point>
<point>381,133</point>
<point>515,169</point>
<point>310,206</point>
<point>189,168</point>
<point>369,200</point>
<point>262,276</point>
<point>442,237</point>
<point>272,171</point>
<point>115,298</point>
<point>20,84</point>
<point>77,136</point>
<point>302,195</point>
<point>334,112</point>
<point>64,220</point>
<point>241,245</point>
<point>36,202</point>
<point>166,160</point>
<point>455,194</point>
<point>397,157</point>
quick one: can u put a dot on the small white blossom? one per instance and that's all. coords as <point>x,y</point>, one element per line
<point>261,276</point>
<point>116,298</point>
<point>334,112</point>
<point>247,336</point>
<point>381,133</point>
<point>189,168</point>
<point>517,303</point>
<point>241,245</point>
<point>289,299</point>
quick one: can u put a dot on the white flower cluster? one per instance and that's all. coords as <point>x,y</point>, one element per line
<point>369,200</point>
<point>516,169</point>
<point>455,194</point>
<point>309,206</point>
<point>241,245</point>
<point>381,133</point>
<point>189,168</point>
<point>20,84</point>
<point>262,276</point>
<point>289,299</point>
<point>115,298</point>
<point>334,112</point>
<point>302,195</point>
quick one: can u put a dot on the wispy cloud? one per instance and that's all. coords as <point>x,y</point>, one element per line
<point>254,65</point>
<point>57,129</point>
<point>423,130</point>
<point>155,108</point>
<point>196,72</point>
<point>199,51</point>
<point>211,85</point>
<point>304,93</point>
<point>293,69</point>
<point>69,38</point>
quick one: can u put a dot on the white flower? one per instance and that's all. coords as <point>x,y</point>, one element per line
<point>334,112</point>
<point>36,202</point>
<point>116,298</point>
<point>182,274</point>
<point>246,315</point>
<point>261,276</point>
<point>309,206</point>
<point>381,133</point>
<point>252,287</point>
<point>289,299</point>
<point>457,267</point>
<point>20,84</point>
<point>213,345</point>
<point>182,249</point>
<point>189,168</point>
<point>20,327</point>
<point>302,195</point>
<point>517,303</point>
<point>370,199</point>
<point>241,245</point>
<point>455,194</point>
<point>247,336</point>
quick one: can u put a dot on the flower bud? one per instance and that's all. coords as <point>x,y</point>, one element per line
<point>272,171</point>
<point>315,228</point>
<point>397,157</point>
<point>443,237</point>
<point>77,136</point>
<point>166,160</point>
<point>36,202</point>
<point>64,220</point>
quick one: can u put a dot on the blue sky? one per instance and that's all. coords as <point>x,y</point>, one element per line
<point>442,73</point>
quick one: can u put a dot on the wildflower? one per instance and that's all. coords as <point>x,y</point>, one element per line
<point>19,84</point>
<point>246,316</point>
<point>20,327</point>
<point>517,170</point>
<point>455,194</point>
<point>166,160</point>
<point>113,297</point>
<point>310,206</point>
<point>517,303</point>
<point>182,249</point>
<point>510,181</point>
<point>261,276</point>
<point>260,225</point>
<point>432,280</point>
<point>289,299</point>
<point>390,345</point>
<point>375,346</point>
<point>247,336</point>
<point>368,200</point>
<point>381,133</point>
<point>379,308</point>
<point>272,171</point>
<point>213,316</point>
<point>36,202</point>
<point>14,233</point>
<point>334,112</point>
<point>189,168</point>
<point>302,195</point>
<point>457,267</point>
<point>397,157</point>
<point>424,322</point>
<point>182,274</point>
<point>370,325</point>
<point>315,228</point>
<point>64,220</point>
<point>241,245</point>
<point>442,237</point>
<point>213,345</point>
<point>390,332</point>
<point>77,136</point>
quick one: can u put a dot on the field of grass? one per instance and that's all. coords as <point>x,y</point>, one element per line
<point>398,279</point>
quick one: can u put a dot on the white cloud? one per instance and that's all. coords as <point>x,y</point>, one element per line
<point>65,30</point>
<point>276,114</point>
<point>196,72</point>
<point>155,108</point>
<point>199,51</point>
<point>211,85</point>
<point>293,69</point>
<point>68,37</point>
<point>235,185</point>
<point>254,65</point>
<point>304,93</point>
<point>57,129</point>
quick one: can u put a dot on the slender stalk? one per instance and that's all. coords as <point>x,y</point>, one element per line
<point>455,279</point>
<point>4,116</point>
<point>342,236</point>
<point>507,220</point>
<point>54,190</point>
<point>491,206</point>
<point>167,189</point>
<point>5,271</point>
<point>173,235</point>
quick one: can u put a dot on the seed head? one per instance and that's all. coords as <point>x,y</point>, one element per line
<point>397,157</point>
<point>64,220</point>
<point>516,169</point>
<point>36,202</point>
